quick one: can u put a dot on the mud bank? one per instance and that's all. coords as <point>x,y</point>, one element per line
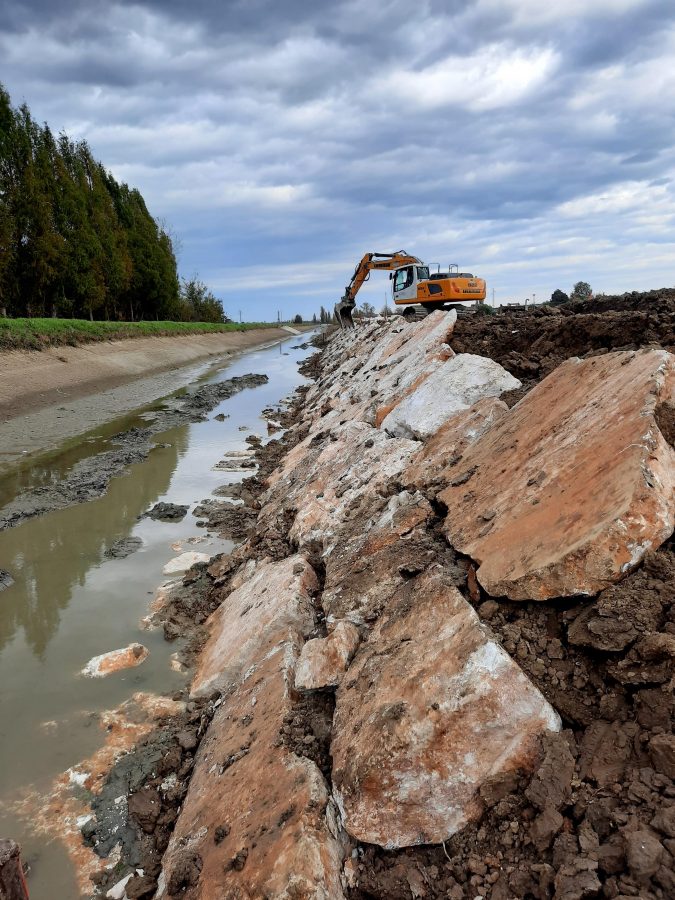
<point>89,478</point>
<point>439,665</point>
<point>50,395</point>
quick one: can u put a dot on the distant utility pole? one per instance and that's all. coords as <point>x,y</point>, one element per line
<point>534,300</point>
<point>239,316</point>
<point>278,317</point>
<point>493,296</point>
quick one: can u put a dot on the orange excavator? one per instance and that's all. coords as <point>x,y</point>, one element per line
<point>412,286</point>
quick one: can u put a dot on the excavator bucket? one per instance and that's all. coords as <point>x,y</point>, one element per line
<point>343,313</point>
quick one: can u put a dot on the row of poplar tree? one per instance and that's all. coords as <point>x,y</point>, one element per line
<point>76,243</point>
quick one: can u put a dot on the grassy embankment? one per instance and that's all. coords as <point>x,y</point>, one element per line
<point>37,334</point>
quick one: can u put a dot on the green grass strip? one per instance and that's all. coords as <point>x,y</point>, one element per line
<point>37,334</point>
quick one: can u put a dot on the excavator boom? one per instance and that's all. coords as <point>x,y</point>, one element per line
<point>370,261</point>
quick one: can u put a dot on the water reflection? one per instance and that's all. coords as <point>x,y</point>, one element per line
<point>49,555</point>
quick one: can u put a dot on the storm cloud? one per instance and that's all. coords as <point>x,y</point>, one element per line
<point>531,143</point>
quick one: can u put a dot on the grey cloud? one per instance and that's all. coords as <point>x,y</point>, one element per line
<point>283,131</point>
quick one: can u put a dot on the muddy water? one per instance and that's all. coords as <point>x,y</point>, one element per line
<point>70,603</point>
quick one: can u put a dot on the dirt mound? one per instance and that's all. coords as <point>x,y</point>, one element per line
<point>530,343</point>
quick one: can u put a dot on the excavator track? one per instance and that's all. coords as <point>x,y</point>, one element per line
<point>419,311</point>
<point>416,313</point>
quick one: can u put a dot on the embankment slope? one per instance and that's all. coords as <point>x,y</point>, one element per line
<point>441,665</point>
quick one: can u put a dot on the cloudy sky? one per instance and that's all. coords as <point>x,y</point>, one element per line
<point>531,142</point>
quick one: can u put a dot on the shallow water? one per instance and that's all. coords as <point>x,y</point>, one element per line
<point>70,603</point>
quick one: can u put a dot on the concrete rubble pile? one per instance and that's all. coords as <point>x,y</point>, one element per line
<point>406,661</point>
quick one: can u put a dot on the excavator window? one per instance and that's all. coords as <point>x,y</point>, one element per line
<point>423,273</point>
<point>403,279</point>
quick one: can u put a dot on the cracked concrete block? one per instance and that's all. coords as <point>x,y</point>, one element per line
<point>384,543</point>
<point>454,386</point>
<point>566,493</point>
<point>368,372</point>
<point>257,820</point>
<point>115,661</point>
<point>352,464</point>
<point>323,661</point>
<point>431,708</point>
<point>273,605</point>
<point>432,465</point>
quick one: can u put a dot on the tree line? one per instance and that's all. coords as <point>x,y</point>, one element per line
<point>76,243</point>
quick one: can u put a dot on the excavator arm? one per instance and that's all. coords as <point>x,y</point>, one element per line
<point>385,261</point>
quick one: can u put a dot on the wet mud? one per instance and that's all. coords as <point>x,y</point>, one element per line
<point>89,478</point>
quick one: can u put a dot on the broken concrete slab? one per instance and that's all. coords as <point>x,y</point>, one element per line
<point>431,468</point>
<point>385,542</point>
<point>257,820</point>
<point>184,561</point>
<point>371,371</point>
<point>568,491</point>
<point>454,386</point>
<point>323,661</point>
<point>431,708</point>
<point>116,660</point>
<point>318,485</point>
<point>272,605</point>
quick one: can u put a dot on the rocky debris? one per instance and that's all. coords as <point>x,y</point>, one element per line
<point>238,491</point>
<point>323,661</point>
<point>631,609</point>
<point>560,828</point>
<point>123,547</point>
<point>367,372</point>
<point>567,492</point>
<point>159,602</point>
<point>119,891</point>
<point>257,820</point>
<point>184,561</point>
<point>231,522</point>
<point>12,882</point>
<point>6,579</point>
<point>167,512</point>
<point>89,478</point>
<point>662,754</point>
<point>454,386</point>
<point>116,660</point>
<point>272,603</point>
<point>385,543</point>
<point>236,461</point>
<point>430,710</point>
<point>152,778</point>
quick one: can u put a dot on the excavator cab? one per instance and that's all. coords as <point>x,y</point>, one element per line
<point>406,279</point>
